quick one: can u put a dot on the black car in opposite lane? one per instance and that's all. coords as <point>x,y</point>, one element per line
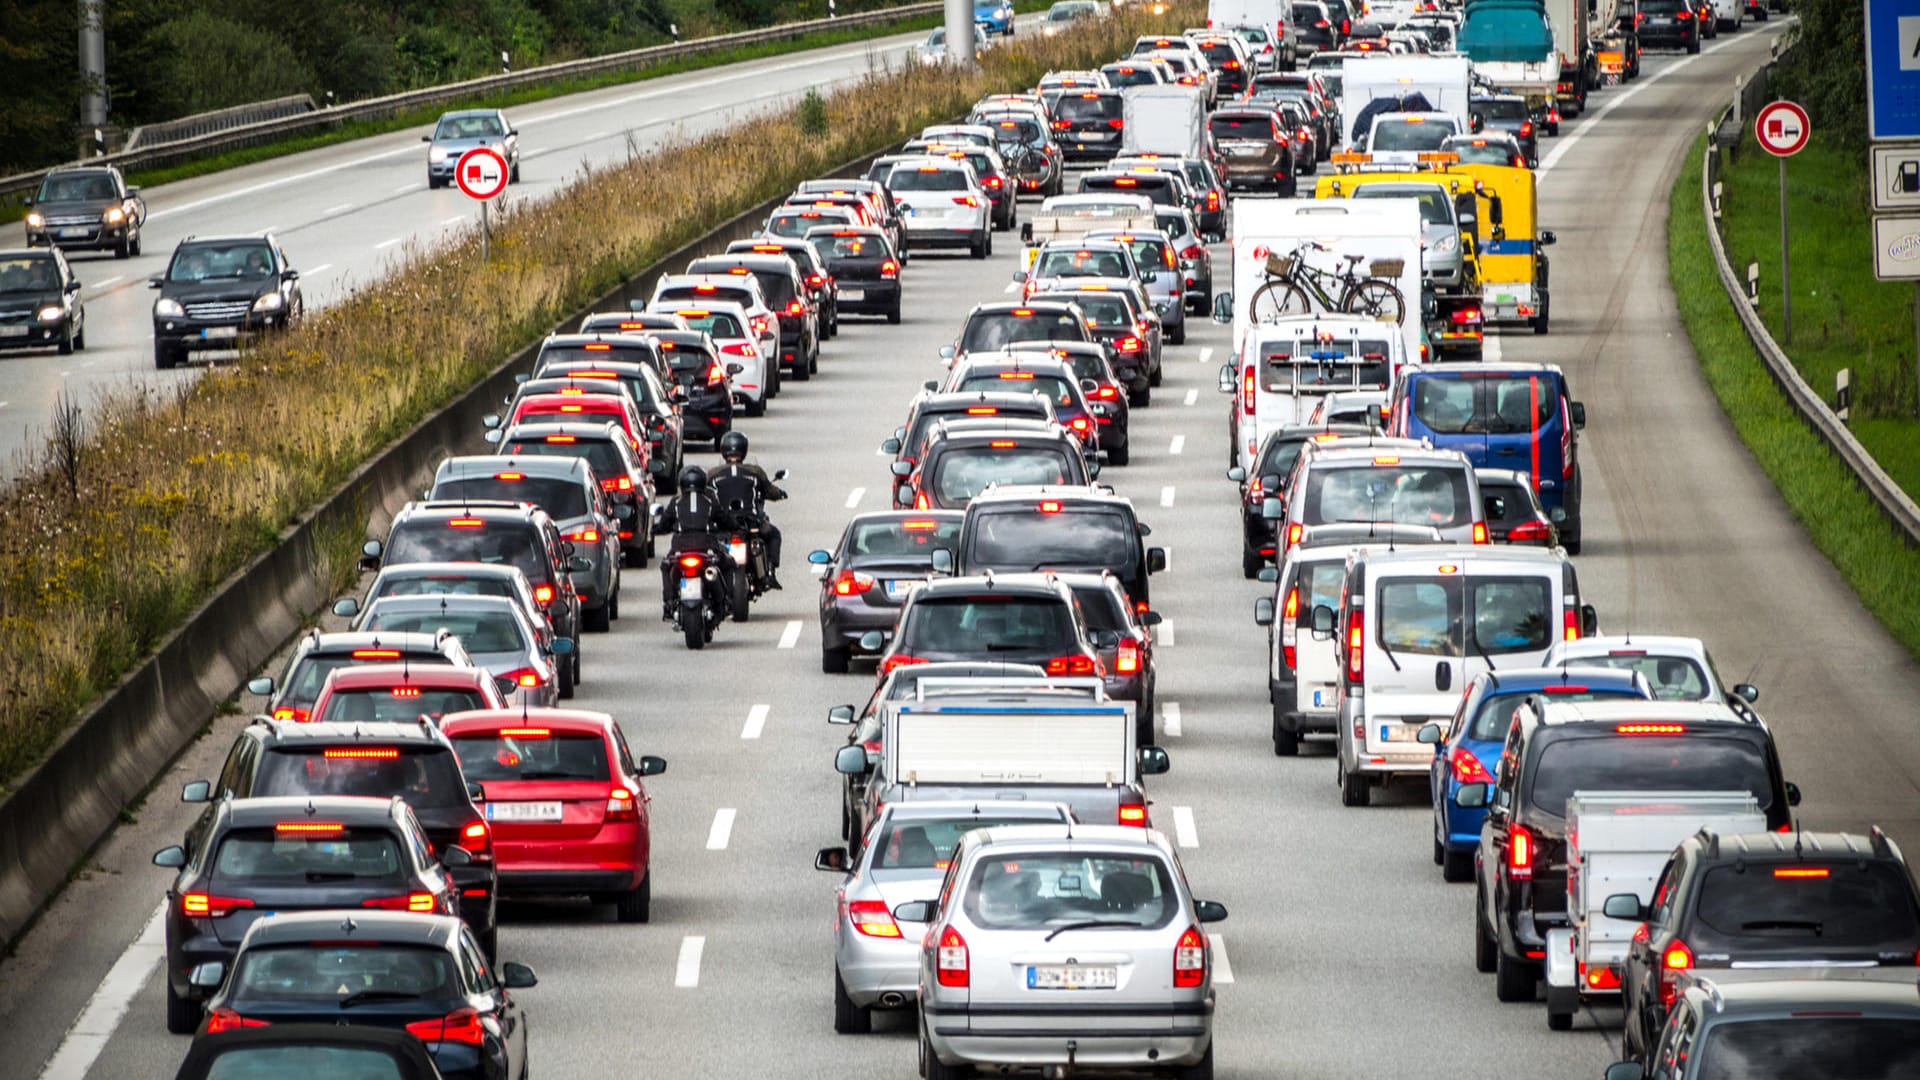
<point>86,208</point>
<point>222,293</point>
<point>40,302</point>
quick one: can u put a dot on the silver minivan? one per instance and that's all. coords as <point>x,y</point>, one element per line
<point>1057,946</point>
<point>1380,484</point>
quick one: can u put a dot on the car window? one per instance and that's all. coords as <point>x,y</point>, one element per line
<point>323,972</point>
<point>927,844</point>
<point>1811,1045</point>
<point>1480,151</point>
<point>469,127</point>
<point>926,178</point>
<point>562,497</point>
<point>1836,903</point>
<point>1086,108</point>
<point>1239,126</point>
<point>310,672</point>
<point>1025,539</point>
<point>436,584</point>
<point>208,261</point>
<point>1419,616</point>
<point>1407,495</point>
<point>1106,312</point>
<point>1434,209</point>
<point>719,324</point>
<point>994,331</point>
<point>902,538</point>
<point>1320,584</point>
<point>1100,609</point>
<point>1674,678</point>
<point>312,1062</point>
<point>480,631</point>
<point>1690,762</point>
<point>531,753</point>
<point>318,848</point>
<point>972,624</point>
<point>963,472</point>
<point>1485,405</point>
<point>429,778</point>
<point>448,540</point>
<point>399,704</point>
<point>1080,262</point>
<point>1510,615</point>
<point>1052,387</point>
<point>1494,716</point>
<point>1039,890</point>
<point>1408,134</point>
<point>602,454</point>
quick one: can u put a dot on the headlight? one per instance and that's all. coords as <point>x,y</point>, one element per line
<point>165,307</point>
<point>437,154</point>
<point>1448,245</point>
<point>273,301</point>
<point>114,215</point>
<point>52,313</point>
<point>34,220</point>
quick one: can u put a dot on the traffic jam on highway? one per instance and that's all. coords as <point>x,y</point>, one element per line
<point>1409,496</point>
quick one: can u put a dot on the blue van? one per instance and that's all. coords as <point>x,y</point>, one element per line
<point>1502,416</point>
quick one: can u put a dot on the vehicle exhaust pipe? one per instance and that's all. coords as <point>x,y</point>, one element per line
<point>892,999</point>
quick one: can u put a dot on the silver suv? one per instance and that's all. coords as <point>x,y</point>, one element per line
<point>1062,945</point>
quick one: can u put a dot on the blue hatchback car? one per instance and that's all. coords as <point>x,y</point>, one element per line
<point>994,16</point>
<point>1469,747</point>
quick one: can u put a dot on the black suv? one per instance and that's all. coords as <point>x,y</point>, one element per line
<point>963,457</point>
<point>864,268</point>
<point>378,759</point>
<point>249,859</point>
<point>1764,900</point>
<point>1083,529</point>
<point>699,381</point>
<point>485,531</point>
<point>40,302</point>
<point>220,293</point>
<point>1556,748</point>
<point>89,208</point>
<point>786,293</point>
<point>317,655</point>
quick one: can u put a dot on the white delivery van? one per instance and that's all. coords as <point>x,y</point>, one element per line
<point>1167,119</point>
<point>1286,366</point>
<point>1443,83</point>
<point>1273,16</point>
<point>1380,231</point>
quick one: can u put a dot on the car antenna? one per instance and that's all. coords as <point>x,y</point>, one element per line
<point>1796,836</point>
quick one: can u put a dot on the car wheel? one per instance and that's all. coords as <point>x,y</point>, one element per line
<point>978,249</point>
<point>1456,866</point>
<point>598,620</point>
<point>1286,742</point>
<point>835,661</point>
<point>802,370</point>
<point>1138,398</point>
<point>756,408</point>
<point>1485,951</point>
<point>1251,562</point>
<point>613,600</point>
<point>165,357</point>
<point>1120,455</point>
<point>1439,849</point>
<point>1514,980</point>
<point>1354,789</point>
<point>636,906</point>
<point>848,1018</point>
<point>66,341</point>
<point>80,339</point>
<point>932,1067</point>
<point>1179,337</point>
<point>183,1014</point>
<point>1693,49</point>
<point>121,249</point>
<point>565,678</point>
<point>134,245</point>
<point>1558,1021</point>
<point>1199,1070</point>
<point>893,314</point>
<point>514,177</point>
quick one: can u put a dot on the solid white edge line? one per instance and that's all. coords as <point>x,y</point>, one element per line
<point>1170,719</point>
<point>1222,967</point>
<point>854,497</point>
<point>316,271</point>
<point>101,1017</point>
<point>722,829</point>
<point>104,282</point>
<point>388,243</point>
<point>1183,829</point>
<point>331,210</point>
<point>791,635</point>
<point>686,971</point>
<point>756,721</point>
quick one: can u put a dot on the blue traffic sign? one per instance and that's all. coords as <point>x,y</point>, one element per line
<point>1893,69</point>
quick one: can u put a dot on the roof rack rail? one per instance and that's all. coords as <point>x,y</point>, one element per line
<point>1882,846</point>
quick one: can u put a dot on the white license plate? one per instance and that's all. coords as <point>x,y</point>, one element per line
<point>853,294</point>
<point>523,811</point>
<point>739,553</point>
<point>900,590</point>
<point>690,588</point>
<point>75,232</point>
<point>219,333</point>
<point>1072,977</point>
<point>13,331</point>
<point>1400,732</point>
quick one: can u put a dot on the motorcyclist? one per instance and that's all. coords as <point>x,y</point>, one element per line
<point>691,518</point>
<point>733,449</point>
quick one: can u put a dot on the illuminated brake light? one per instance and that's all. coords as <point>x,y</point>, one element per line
<point>1290,629</point>
<point>900,660</point>
<point>1603,978</point>
<point>459,1026</point>
<point>852,583</point>
<point>1570,620</point>
<point>1356,647</point>
<point>562,439</point>
<point>1249,383</point>
<point>465,523</point>
<point>590,536</point>
<point>1467,768</point>
<point>1133,815</point>
<point>1480,536</point>
<point>543,593</point>
<point>362,753</point>
<point>1650,729</point>
<point>1127,662</point>
<point>1294,532</point>
<point>310,828</point>
<point>225,1019</point>
<point>1190,959</point>
<point>476,837</point>
<point>1017,375</point>
<point>376,654</point>
<point>872,918</point>
<point>529,678</point>
<point>622,805</point>
<point>1520,854</point>
<point>952,958</point>
<point>1801,872</point>
<point>406,691</point>
<point>1050,506</point>
<point>1073,665</point>
<point>208,906</point>
<point>1387,460</point>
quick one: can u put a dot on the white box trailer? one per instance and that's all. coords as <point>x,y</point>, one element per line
<point>1167,119</point>
<point>1444,83</point>
<point>1380,231</point>
<point>1617,844</point>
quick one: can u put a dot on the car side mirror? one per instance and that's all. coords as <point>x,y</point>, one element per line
<point>1477,124</point>
<point>1557,515</point>
<point>579,564</point>
<point>1430,734</point>
<point>918,911</point>
<point>677,395</point>
<point>1150,618</point>
<point>1104,639</point>
<point>1089,386</point>
<point>651,765</point>
<point>1150,276</point>
<point>506,684</point>
<point>154,283</point>
<point>1793,793</point>
<point>850,761</point>
<point>942,561</point>
<point>946,353</point>
<point>1471,796</point>
<point>1589,621</point>
<point>1320,620</point>
<point>1493,506</point>
<point>840,714</point>
<point>73,286</point>
<point>492,436</point>
<point>1548,238</point>
<point>1272,509</point>
<point>263,686</point>
<point>426,138</point>
<point>517,976</point>
<point>779,474</point>
<point>196,791</point>
<point>171,857</point>
<point>1376,417</point>
<point>1226,378</point>
<point>207,976</point>
<point>1209,911</point>
<point>1625,1070</point>
<point>1746,692</point>
<point>1223,307</point>
<point>1154,761</point>
<point>873,641</point>
<point>1156,560</point>
<point>1020,277</point>
<point>490,421</point>
<point>831,859</point>
<point>890,446</point>
<point>1263,611</point>
<point>1268,575</point>
<point>901,468</point>
<point>1624,906</point>
<point>819,558</point>
<point>1237,474</point>
<point>476,791</point>
<point>658,467</point>
<point>289,274</point>
<point>1093,468</point>
<point>1578,410</point>
<point>453,855</point>
<point>735,369</point>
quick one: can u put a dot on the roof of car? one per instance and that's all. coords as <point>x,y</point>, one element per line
<point>431,676</point>
<point>1628,644</point>
<point>584,721</point>
<point>1651,712</point>
<point>363,927</point>
<point>455,570</point>
<point>1024,584</point>
<point>350,641</point>
<point>1074,837</point>
<point>490,509</point>
<point>1345,534</point>
<point>1066,493</point>
<point>1534,678</point>
<point>1006,307</point>
<point>346,809</point>
<point>631,340</point>
<point>971,431</point>
<point>1476,558</point>
<point>1812,989</point>
<point>293,732</point>
<point>1334,455</point>
<point>908,515</point>
<point>1797,846</point>
<point>959,401</point>
<point>492,465</point>
<point>960,809</point>
<point>751,260</point>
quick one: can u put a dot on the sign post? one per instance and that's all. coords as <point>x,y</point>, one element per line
<point>1782,129</point>
<point>1893,114</point>
<point>481,174</point>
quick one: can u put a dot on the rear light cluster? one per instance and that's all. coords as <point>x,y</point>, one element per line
<point>420,902</point>
<point>622,804</point>
<point>208,906</point>
<point>871,918</point>
<point>1290,629</point>
<point>476,838</point>
<point>1190,959</point>
<point>1077,664</point>
<point>1356,648</point>
<point>459,1026</point>
<point>525,677</point>
<point>1530,530</point>
<point>224,1019</point>
<point>1520,852</point>
<point>851,583</point>
<point>899,660</point>
<point>952,966</point>
<point>1674,959</point>
<point>1467,768</point>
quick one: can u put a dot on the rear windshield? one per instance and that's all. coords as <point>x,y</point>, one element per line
<point>1509,108</point>
<point>479,631</point>
<point>1433,205</point>
<point>601,454</point>
<point>990,624</point>
<point>311,1062</point>
<point>1083,107</point>
<point>993,331</point>
<point>1160,189</point>
<point>1280,456</point>
<point>1674,678</point>
<point>1075,536</point>
<point>1660,7</point>
<point>922,844</point>
<point>1042,890</point>
<point>1100,609</point>
<point>1080,262</point>
<point>1217,51</point>
<point>1322,368</point>
<point>1479,151</point>
<point>1484,405</point>
<point>531,753</point>
<point>560,498</point>
<point>1106,311</point>
<point>924,178</point>
<point>1434,495</point>
<point>399,704</point>
<point>1495,716</point>
<point>963,472</point>
<point>311,855</point>
<point>857,246</point>
<point>1775,1049</point>
<point>1831,903</point>
<point>1321,585</point>
<point>629,354</point>
<point>909,538</point>
<point>1242,127</point>
<point>310,673</point>
<point>424,778</point>
<point>1433,616</point>
<point>1053,387</point>
<point>437,584</point>
<point>1392,134</point>
<point>796,225</point>
<point>494,543</point>
<point>1647,763</point>
<point>1517,501</point>
<point>314,973</point>
<point>718,324</point>
<point>1121,77</point>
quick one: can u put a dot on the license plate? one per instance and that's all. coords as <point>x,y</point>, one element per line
<point>853,294</point>
<point>738,551</point>
<point>219,333</point>
<point>906,210</point>
<point>75,232</point>
<point>13,331</point>
<point>523,811</point>
<point>1072,977</point>
<point>1400,732</point>
<point>690,588</point>
<point>1317,703</point>
<point>900,590</point>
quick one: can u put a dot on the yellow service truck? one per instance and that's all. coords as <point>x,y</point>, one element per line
<point>1513,264</point>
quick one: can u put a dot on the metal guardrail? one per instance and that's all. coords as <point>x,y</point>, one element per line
<point>393,104</point>
<point>1899,507</point>
<point>206,123</point>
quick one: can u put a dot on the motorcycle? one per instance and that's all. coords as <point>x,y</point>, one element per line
<point>746,545</point>
<point>701,601</point>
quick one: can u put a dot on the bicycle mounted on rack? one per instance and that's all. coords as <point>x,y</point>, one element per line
<point>1294,287</point>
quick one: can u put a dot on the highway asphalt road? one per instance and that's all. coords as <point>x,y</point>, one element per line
<point>344,213</point>
<point>1347,955</point>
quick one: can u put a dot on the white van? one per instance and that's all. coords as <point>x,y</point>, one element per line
<point>1287,365</point>
<point>1273,16</point>
<point>1416,625</point>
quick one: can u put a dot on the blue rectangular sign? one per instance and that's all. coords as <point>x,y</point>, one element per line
<point>1893,69</point>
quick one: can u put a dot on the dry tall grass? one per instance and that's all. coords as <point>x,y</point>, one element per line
<point>172,495</point>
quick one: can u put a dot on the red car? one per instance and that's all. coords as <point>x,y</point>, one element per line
<point>398,693</point>
<point>566,803</point>
<point>581,408</point>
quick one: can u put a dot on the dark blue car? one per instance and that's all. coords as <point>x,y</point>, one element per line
<point>1469,749</point>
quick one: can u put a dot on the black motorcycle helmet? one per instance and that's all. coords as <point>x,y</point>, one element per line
<point>733,447</point>
<point>693,478</point>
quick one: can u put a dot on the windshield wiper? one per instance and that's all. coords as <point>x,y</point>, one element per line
<point>359,996</point>
<point>1388,649</point>
<point>1784,924</point>
<point>1092,924</point>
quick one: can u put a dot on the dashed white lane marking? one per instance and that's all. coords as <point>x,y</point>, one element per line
<point>722,829</point>
<point>1566,144</point>
<point>686,972</point>
<point>404,188</point>
<point>1166,495</point>
<point>104,282</point>
<point>317,271</point>
<point>1170,719</point>
<point>756,721</point>
<point>854,496</point>
<point>455,219</point>
<point>1222,967</point>
<point>791,635</point>
<point>1206,354</point>
<point>598,135</point>
<point>331,210</point>
<point>96,1024</point>
<point>1192,396</point>
<point>388,243</point>
<point>535,152</point>
<point>1183,829</point>
<point>1163,634</point>
<point>1178,444</point>
<point>4,404</point>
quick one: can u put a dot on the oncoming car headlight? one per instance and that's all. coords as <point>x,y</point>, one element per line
<point>114,215</point>
<point>166,306</point>
<point>437,155</point>
<point>34,220</point>
<point>52,313</point>
<point>272,301</point>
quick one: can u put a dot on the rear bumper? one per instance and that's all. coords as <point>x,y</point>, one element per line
<point>1105,1038</point>
<point>570,882</point>
<point>872,968</point>
<point>876,297</point>
<point>842,622</point>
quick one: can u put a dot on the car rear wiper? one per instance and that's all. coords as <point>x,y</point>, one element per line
<point>359,996</point>
<point>1784,924</point>
<point>1388,650</point>
<point>1091,924</point>
<point>331,875</point>
<point>995,646</point>
<point>549,775</point>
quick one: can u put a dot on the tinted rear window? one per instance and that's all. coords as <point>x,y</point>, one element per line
<point>436,584</point>
<point>963,472</point>
<point>1321,585</point>
<point>424,778</point>
<point>1646,763</point>
<point>1053,387</point>
<point>1499,109</point>
<point>1408,495</point>
<point>1075,536</point>
<point>307,1062</point>
<point>922,844</point>
<point>911,538</point>
<point>495,543</point>
<point>718,324</point>
<point>1434,615</point>
<point>1518,501</point>
<point>1042,890</point>
<point>921,178</point>
<point>531,755</point>
<point>1083,108</point>
<point>1100,609</point>
<point>1484,405</point>
<point>601,454</point>
<point>1773,1049</point>
<point>989,625</point>
<point>993,331</point>
<point>796,225</point>
<point>479,631</point>
<point>1106,312</point>
<point>1840,903</point>
<point>1409,135</point>
<point>1241,127</point>
<point>315,973</point>
<point>268,853</point>
<point>624,353</point>
<point>560,498</point>
<point>399,704</point>
<point>1495,715</point>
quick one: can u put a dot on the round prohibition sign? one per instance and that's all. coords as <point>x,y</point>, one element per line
<point>1782,128</point>
<point>481,173</point>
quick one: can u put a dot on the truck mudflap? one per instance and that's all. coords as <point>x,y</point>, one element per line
<point>1561,969</point>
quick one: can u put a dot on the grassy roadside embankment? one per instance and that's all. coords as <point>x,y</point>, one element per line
<point>1841,518</point>
<point>168,495</point>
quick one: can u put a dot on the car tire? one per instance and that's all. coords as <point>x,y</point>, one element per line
<point>932,1068</point>
<point>848,1018</point>
<point>1354,789</point>
<point>893,314</point>
<point>1693,47</point>
<point>1439,849</point>
<point>1138,398</point>
<point>80,339</point>
<point>1540,322</point>
<point>183,1014</point>
<point>1286,742</point>
<point>757,408</point>
<point>165,358</point>
<point>802,370</point>
<point>1251,562</point>
<point>1120,455</point>
<point>1178,336</point>
<point>514,176</point>
<point>598,620</point>
<point>1514,980</point>
<point>65,345</point>
<point>565,678</point>
<point>490,943</point>
<point>134,244</point>
<point>1558,1021</point>
<point>1199,1070</point>
<point>835,661</point>
<point>1485,950</point>
<point>636,905</point>
<point>613,600</point>
<point>1456,866</point>
<point>122,249</point>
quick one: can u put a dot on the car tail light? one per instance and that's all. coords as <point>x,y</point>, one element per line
<point>590,536</point>
<point>525,676</point>
<point>1480,533</point>
<point>288,713</point>
<point>1107,393</point>
<point>1520,854</point>
<point>1294,532</point>
<point>815,281</point>
<point>872,918</point>
<point>1570,619</point>
<point>420,902</point>
<point>1346,26</point>
<point>1072,665</point>
<point>1683,14</point>
<point>475,836</point>
<point>739,348</point>
<point>691,565</point>
<point>1530,530</point>
<point>1062,125</point>
<point>1249,383</point>
<point>1290,629</point>
<point>952,970</point>
<point>1674,958</point>
<point>1304,134</point>
<point>1127,662</point>
<point>622,804</point>
<point>993,182</point>
<point>207,906</point>
<point>852,583</point>
<point>1194,251</point>
<point>899,660</point>
<point>224,1019</point>
<point>761,324</point>
<point>1601,978</point>
<point>1133,814</point>
<point>889,269</point>
<point>1190,959</point>
<point>1465,316</point>
<point>458,1026</point>
<point>965,200</point>
<point>1526,128</point>
<point>543,593</point>
<point>1356,647</point>
<point>1467,768</point>
<point>1116,124</point>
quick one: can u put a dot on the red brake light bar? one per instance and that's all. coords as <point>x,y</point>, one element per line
<point>309,827</point>
<point>374,753</point>
<point>1650,729</point>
